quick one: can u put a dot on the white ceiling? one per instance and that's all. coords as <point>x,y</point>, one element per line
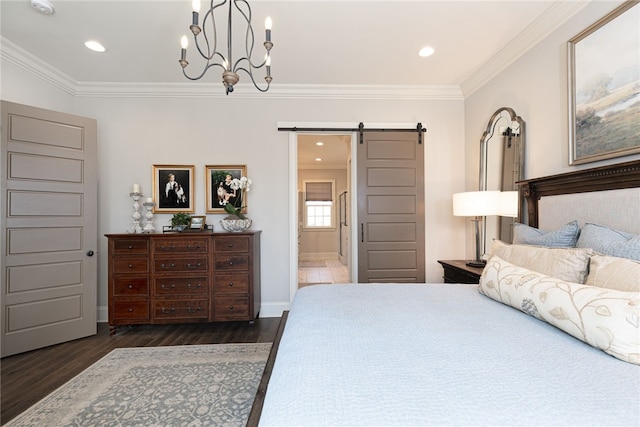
<point>315,42</point>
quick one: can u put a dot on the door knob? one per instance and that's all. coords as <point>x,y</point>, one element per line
<point>89,253</point>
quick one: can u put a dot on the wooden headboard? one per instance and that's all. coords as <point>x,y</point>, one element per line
<point>612,177</point>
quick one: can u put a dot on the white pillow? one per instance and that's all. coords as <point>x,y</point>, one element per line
<point>604,318</point>
<point>570,264</point>
<point>614,273</point>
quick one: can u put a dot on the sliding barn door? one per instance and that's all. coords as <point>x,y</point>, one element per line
<point>391,208</point>
<point>48,226</point>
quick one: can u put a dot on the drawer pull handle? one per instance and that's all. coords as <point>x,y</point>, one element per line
<point>130,246</point>
<point>230,262</point>
<point>190,286</point>
<point>230,284</point>
<point>197,265</point>
<point>165,311</point>
<point>167,248</point>
<point>191,310</point>
<point>193,248</point>
<point>130,286</point>
<point>130,310</point>
<point>168,287</point>
<point>163,265</point>
<point>130,265</point>
<point>230,245</point>
<point>230,307</point>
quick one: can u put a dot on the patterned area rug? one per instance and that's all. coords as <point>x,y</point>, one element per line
<point>191,385</point>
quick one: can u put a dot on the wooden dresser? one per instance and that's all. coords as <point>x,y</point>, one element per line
<point>183,278</point>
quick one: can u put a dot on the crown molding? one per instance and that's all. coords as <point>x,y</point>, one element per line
<point>14,54</point>
<point>557,14</point>
<point>245,91</point>
<point>24,60</point>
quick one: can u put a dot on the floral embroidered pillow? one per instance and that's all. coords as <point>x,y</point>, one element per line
<point>607,319</point>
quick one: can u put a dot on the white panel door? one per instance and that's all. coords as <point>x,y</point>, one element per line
<point>49,227</point>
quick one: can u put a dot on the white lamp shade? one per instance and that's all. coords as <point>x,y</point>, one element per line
<point>509,203</point>
<point>476,203</point>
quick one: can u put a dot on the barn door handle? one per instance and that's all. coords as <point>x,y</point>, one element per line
<point>361,233</point>
<point>89,253</point>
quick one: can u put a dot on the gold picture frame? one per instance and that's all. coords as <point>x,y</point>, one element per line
<point>173,188</point>
<point>218,193</point>
<point>198,222</point>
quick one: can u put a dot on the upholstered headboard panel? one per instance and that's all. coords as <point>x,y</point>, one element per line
<point>618,209</point>
<point>607,195</point>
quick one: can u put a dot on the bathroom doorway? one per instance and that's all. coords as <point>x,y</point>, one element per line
<point>324,208</point>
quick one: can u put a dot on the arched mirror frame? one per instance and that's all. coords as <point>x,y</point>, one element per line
<point>501,166</point>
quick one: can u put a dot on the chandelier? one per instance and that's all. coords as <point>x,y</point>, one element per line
<point>207,45</point>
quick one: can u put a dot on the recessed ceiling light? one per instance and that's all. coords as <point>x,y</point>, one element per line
<point>426,51</point>
<point>42,6</point>
<point>319,143</point>
<point>94,46</point>
<point>318,159</point>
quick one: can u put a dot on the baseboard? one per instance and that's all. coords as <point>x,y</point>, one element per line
<point>273,309</point>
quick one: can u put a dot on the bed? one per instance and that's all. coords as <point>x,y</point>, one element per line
<point>454,354</point>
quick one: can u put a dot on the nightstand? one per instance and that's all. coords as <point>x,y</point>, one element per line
<point>457,271</point>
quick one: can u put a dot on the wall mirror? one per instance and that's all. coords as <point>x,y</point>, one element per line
<point>501,166</point>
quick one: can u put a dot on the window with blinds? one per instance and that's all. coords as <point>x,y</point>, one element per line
<point>318,204</point>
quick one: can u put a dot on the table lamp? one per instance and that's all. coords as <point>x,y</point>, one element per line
<point>478,204</point>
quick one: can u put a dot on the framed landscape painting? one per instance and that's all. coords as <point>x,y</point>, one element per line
<point>219,191</point>
<point>604,88</point>
<point>173,188</point>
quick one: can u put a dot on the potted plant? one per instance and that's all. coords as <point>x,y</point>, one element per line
<point>236,220</point>
<point>180,221</point>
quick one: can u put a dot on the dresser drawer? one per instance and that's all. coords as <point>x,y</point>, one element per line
<point>131,286</point>
<point>230,284</point>
<point>181,286</point>
<point>181,309</point>
<point>131,310</point>
<point>224,244</point>
<point>231,308</point>
<point>130,265</point>
<point>231,262</point>
<point>181,246</point>
<point>124,246</point>
<point>196,264</point>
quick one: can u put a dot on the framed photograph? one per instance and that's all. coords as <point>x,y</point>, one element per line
<point>197,222</point>
<point>604,76</point>
<point>219,192</point>
<point>173,188</point>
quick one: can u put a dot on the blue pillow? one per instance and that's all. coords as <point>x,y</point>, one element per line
<point>564,237</point>
<point>608,241</point>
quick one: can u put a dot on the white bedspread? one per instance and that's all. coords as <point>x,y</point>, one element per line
<point>441,354</point>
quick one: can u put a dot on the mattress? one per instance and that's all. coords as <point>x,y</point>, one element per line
<point>437,354</point>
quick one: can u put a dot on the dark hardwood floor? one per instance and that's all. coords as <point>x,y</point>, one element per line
<point>28,377</point>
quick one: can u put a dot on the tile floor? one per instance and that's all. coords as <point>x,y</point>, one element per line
<point>321,272</point>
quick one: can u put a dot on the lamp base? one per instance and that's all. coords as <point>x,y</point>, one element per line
<point>479,263</point>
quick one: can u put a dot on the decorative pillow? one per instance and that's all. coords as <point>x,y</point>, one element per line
<point>608,241</point>
<point>564,237</point>
<point>614,273</point>
<point>603,318</point>
<point>569,264</point>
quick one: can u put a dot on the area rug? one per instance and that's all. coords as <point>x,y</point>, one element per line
<point>189,385</point>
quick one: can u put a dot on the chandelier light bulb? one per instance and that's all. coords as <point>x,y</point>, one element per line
<point>268,23</point>
<point>268,60</point>
<point>184,42</point>
<point>195,4</point>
